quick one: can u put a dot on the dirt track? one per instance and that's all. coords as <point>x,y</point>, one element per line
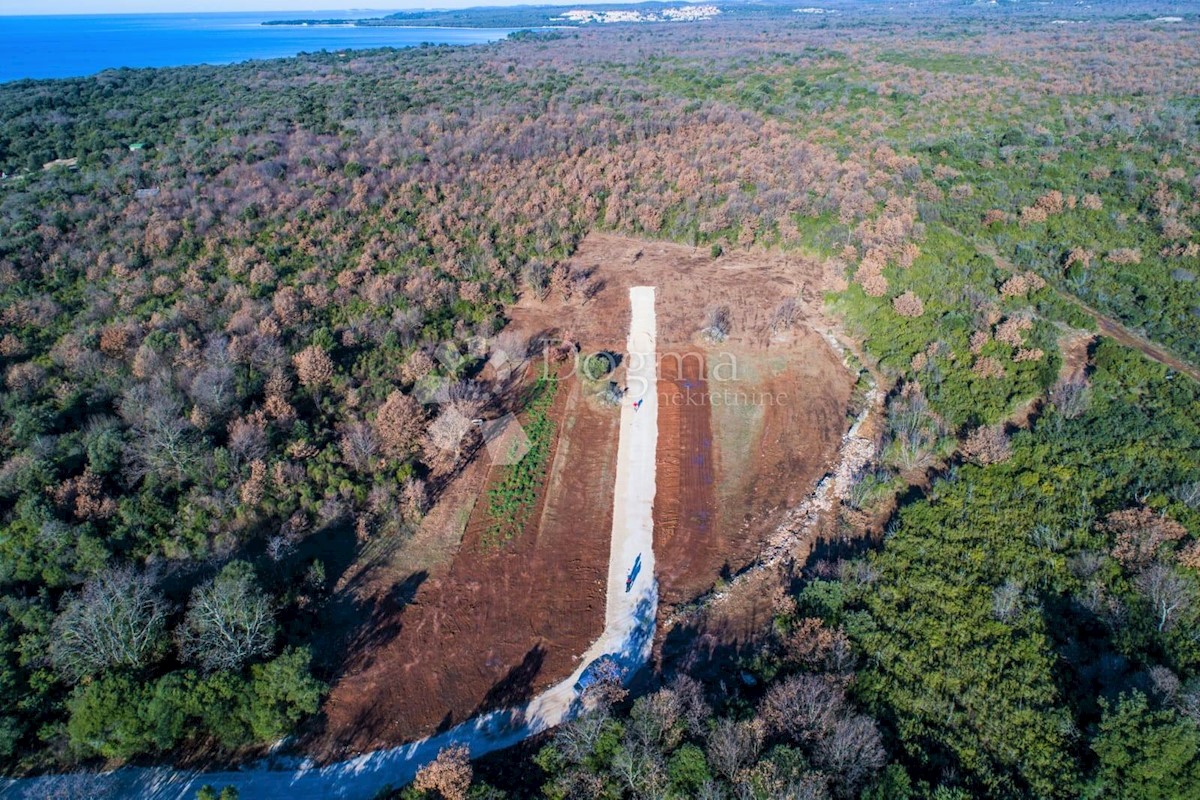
<point>1108,326</point>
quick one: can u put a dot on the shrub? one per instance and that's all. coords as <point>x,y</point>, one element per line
<point>512,498</point>
<point>597,365</point>
<point>1125,256</point>
<point>717,325</point>
<point>908,305</point>
<point>987,445</point>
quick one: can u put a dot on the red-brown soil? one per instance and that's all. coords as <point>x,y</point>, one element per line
<point>503,622</point>
<point>458,627</point>
<point>685,518</point>
<point>776,440</point>
<point>708,643</point>
<point>781,391</point>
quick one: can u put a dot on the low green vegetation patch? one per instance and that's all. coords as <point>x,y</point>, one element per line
<point>975,354</point>
<point>597,365</point>
<point>952,63</point>
<point>512,499</point>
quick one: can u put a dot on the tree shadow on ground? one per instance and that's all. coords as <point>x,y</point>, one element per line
<point>515,688</point>
<point>829,550</point>
<point>351,630</point>
<point>335,546</point>
<point>693,650</point>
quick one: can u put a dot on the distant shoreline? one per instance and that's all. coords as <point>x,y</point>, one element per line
<point>530,17</point>
<point>382,24</point>
<point>91,44</point>
<point>312,22</point>
<point>425,21</point>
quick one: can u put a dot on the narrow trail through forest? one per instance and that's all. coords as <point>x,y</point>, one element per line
<point>1108,326</point>
<point>629,624</point>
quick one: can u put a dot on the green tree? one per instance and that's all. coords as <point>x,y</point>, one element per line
<point>280,694</point>
<point>1145,754</point>
<point>207,792</point>
<point>688,769</point>
<point>893,783</point>
<point>118,716</point>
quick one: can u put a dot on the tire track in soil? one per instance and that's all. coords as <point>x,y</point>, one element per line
<point>685,518</point>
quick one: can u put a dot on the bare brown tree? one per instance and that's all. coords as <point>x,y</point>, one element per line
<point>694,710</point>
<point>313,367</point>
<point>655,719</point>
<point>449,774</point>
<point>641,770</point>
<point>1170,595</point>
<point>359,446</point>
<point>852,752</point>
<point>1141,534</point>
<point>811,644</point>
<point>803,707</point>
<point>163,442</point>
<point>1070,397</point>
<point>987,445</point>
<point>399,424</point>
<point>908,305</point>
<point>733,746</point>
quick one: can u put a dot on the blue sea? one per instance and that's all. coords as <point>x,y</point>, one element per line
<point>68,46</point>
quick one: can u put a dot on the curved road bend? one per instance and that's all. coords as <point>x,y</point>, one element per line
<point>628,636</point>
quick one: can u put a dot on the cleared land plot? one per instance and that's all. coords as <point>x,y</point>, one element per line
<point>500,623</point>
<point>768,403</point>
<point>685,509</point>
<point>488,627</point>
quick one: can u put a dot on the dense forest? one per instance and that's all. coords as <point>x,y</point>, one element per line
<point>225,290</point>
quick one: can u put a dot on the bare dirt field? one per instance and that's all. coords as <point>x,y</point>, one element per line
<point>685,509</point>
<point>500,622</point>
<point>478,627</point>
<point>747,425</point>
<point>689,282</point>
<point>776,431</point>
